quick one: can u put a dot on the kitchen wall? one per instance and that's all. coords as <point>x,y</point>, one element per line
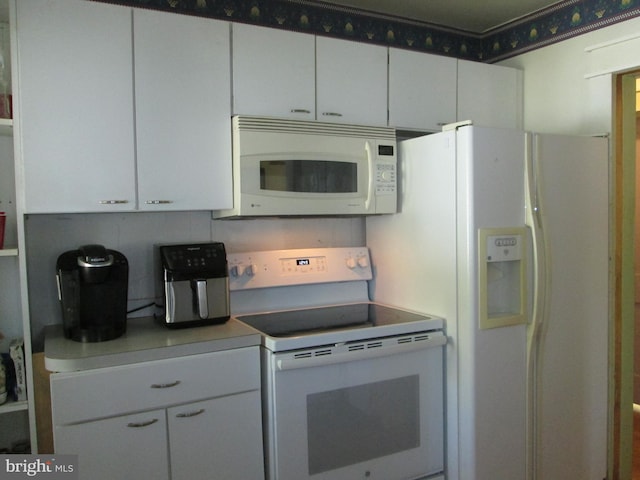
<point>134,234</point>
<point>568,85</point>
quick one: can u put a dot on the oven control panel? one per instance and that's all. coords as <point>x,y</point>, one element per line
<point>275,268</point>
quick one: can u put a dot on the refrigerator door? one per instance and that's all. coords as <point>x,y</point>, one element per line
<point>413,253</point>
<point>425,258</point>
<point>491,362</point>
<point>572,190</point>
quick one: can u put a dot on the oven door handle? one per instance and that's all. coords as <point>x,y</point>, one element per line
<point>364,353</point>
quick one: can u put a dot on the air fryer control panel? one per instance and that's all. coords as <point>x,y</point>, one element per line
<point>194,258</point>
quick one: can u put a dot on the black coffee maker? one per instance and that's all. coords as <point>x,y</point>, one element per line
<point>92,288</point>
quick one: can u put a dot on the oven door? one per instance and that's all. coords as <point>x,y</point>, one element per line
<point>371,409</point>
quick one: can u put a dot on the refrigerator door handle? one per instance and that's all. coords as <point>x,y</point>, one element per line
<point>535,221</point>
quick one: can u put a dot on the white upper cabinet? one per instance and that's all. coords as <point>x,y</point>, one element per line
<point>351,82</point>
<point>296,75</point>
<point>422,90</point>
<point>76,105</point>
<point>490,95</point>
<point>183,110</point>
<point>273,72</point>
<point>98,101</point>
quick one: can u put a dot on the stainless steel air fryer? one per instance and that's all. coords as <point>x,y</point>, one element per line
<point>92,289</point>
<point>193,284</point>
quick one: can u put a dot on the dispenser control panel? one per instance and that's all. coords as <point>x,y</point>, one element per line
<point>502,281</point>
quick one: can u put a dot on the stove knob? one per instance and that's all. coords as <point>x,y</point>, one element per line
<point>351,263</point>
<point>363,262</point>
<point>250,270</point>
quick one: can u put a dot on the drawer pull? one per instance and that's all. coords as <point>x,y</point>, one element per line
<point>165,385</point>
<point>142,424</point>
<point>331,114</point>
<point>300,110</point>
<point>158,202</point>
<point>113,202</point>
<point>190,414</point>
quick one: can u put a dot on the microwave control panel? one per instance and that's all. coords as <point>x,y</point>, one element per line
<point>385,170</point>
<point>385,178</point>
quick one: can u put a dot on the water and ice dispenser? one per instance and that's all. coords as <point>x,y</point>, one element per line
<point>502,276</point>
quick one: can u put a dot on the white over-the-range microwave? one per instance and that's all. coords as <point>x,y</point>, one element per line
<point>285,167</point>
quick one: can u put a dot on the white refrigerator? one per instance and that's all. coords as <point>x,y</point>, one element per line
<point>505,235</point>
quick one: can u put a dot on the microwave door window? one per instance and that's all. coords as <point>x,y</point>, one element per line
<point>309,176</point>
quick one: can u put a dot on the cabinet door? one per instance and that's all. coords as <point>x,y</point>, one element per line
<point>76,105</point>
<point>130,446</point>
<point>489,95</point>
<point>351,82</point>
<point>422,90</point>
<point>217,439</point>
<point>183,112</point>
<point>273,72</point>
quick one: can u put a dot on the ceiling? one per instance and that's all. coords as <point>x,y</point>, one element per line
<point>475,16</point>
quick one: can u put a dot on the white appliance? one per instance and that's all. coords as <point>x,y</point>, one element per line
<point>293,167</point>
<point>526,374</point>
<point>352,389</point>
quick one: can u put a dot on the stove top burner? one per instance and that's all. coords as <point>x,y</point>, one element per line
<point>320,320</point>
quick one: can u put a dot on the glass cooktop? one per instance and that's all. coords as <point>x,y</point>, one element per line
<point>293,323</point>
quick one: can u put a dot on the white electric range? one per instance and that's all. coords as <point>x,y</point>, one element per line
<point>352,389</point>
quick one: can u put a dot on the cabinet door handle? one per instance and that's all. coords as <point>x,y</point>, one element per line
<point>331,114</point>
<point>165,385</point>
<point>158,202</point>
<point>190,414</point>
<point>142,424</point>
<point>300,110</point>
<point>112,202</point>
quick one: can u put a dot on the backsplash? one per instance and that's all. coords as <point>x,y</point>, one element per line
<point>564,20</point>
<point>135,234</point>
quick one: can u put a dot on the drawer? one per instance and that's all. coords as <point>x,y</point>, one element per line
<point>91,394</point>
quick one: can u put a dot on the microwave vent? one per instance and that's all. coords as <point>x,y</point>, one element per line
<point>308,127</point>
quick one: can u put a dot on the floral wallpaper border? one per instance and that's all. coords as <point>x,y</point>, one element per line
<point>558,22</point>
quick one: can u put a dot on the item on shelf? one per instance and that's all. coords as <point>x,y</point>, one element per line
<point>6,106</point>
<point>9,376</point>
<point>3,221</point>
<point>3,384</point>
<point>17,355</point>
<point>21,446</point>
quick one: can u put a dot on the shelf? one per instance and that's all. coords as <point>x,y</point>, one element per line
<point>8,252</point>
<point>12,406</point>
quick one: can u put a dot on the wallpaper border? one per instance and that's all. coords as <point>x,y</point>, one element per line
<point>558,22</point>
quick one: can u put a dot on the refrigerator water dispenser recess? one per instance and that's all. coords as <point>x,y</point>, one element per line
<point>502,277</point>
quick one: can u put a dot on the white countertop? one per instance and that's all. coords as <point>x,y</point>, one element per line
<point>145,340</point>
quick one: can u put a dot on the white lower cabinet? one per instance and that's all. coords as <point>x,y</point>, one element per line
<point>195,417</point>
<point>216,438</point>
<point>125,447</point>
